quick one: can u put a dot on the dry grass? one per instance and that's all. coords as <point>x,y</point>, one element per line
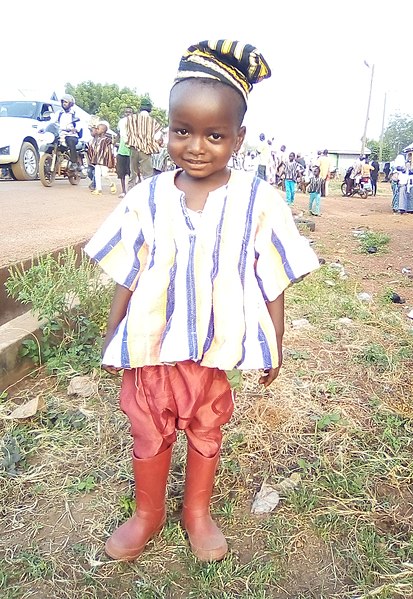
<point>340,415</point>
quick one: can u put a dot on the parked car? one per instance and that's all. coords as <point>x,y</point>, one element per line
<point>21,122</point>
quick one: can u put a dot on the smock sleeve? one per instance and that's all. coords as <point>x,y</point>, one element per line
<point>119,245</point>
<point>283,255</point>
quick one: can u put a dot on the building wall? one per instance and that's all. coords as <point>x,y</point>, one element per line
<point>343,162</point>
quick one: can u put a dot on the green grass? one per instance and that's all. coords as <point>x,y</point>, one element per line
<point>340,415</point>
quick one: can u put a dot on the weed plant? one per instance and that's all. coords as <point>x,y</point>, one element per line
<point>70,297</point>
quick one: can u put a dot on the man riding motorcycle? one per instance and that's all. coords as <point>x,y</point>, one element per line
<point>70,128</point>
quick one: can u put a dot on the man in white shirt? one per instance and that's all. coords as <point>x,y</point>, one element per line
<point>70,128</point>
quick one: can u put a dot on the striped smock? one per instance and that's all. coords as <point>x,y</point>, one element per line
<point>200,286</point>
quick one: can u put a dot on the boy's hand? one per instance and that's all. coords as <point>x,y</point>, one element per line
<point>269,376</point>
<point>111,369</point>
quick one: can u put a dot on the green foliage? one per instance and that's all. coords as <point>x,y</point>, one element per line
<point>84,485</point>
<point>399,133</point>
<point>372,239</point>
<point>387,152</point>
<point>69,295</point>
<point>108,101</point>
<point>326,420</point>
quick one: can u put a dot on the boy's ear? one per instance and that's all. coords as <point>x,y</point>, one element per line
<point>240,138</point>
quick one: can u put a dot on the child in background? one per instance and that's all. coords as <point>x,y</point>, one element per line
<point>161,161</point>
<point>100,154</point>
<point>292,172</point>
<point>314,188</point>
<point>201,256</point>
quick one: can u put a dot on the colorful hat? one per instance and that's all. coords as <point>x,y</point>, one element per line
<point>231,62</point>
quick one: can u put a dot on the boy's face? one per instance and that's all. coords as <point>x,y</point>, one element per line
<point>316,171</point>
<point>291,157</point>
<point>204,129</point>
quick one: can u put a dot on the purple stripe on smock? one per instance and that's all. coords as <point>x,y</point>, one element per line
<point>280,249</point>
<point>191,304</point>
<point>214,272</point>
<point>243,255</point>
<point>265,350</point>
<point>108,247</point>
<point>140,240</point>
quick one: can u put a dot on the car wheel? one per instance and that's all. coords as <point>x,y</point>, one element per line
<point>27,167</point>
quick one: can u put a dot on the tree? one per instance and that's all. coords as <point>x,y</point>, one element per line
<point>108,101</point>
<point>399,133</point>
<point>374,146</point>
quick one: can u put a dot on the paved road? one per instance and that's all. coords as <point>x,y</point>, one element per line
<point>35,219</point>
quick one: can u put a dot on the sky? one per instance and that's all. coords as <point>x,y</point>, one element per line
<point>316,97</point>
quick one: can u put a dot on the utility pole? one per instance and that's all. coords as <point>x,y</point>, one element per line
<point>363,141</point>
<point>382,129</point>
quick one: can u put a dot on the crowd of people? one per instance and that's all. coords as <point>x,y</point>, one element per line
<point>401,179</point>
<point>288,171</point>
<point>139,150</point>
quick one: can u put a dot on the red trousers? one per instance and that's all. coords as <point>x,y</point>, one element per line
<point>189,397</point>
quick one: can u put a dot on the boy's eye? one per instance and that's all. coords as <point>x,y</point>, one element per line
<point>181,131</point>
<point>216,136</point>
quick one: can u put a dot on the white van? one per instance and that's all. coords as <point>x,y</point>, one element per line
<point>20,123</point>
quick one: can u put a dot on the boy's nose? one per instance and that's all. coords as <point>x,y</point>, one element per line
<point>196,145</point>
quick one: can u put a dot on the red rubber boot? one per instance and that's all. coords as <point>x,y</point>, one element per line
<point>206,540</point>
<point>151,475</point>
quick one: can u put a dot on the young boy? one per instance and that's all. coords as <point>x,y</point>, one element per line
<point>314,188</point>
<point>100,154</point>
<point>292,172</point>
<point>201,256</point>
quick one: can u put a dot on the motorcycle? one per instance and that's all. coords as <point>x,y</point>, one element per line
<point>55,158</point>
<point>358,188</point>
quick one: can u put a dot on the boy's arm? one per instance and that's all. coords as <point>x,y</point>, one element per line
<point>117,312</point>
<point>276,311</point>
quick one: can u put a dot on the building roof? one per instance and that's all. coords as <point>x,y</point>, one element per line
<point>349,152</point>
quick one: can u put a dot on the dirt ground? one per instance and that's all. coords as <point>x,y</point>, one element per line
<point>36,219</point>
<point>39,220</point>
<point>341,216</point>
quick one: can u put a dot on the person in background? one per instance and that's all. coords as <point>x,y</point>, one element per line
<point>292,173</point>
<point>70,127</point>
<point>366,170</point>
<point>403,195</point>
<point>263,152</point>
<point>394,182</point>
<point>100,154</point>
<point>374,175</point>
<point>300,159</point>
<point>91,167</point>
<point>161,161</point>
<point>314,188</point>
<point>323,162</point>
<point>353,175</point>
<point>409,191</point>
<point>123,154</point>
<point>142,132</point>
<point>386,171</point>
<point>180,246</point>
<point>281,162</point>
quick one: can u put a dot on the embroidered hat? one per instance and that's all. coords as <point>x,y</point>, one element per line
<point>231,62</point>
